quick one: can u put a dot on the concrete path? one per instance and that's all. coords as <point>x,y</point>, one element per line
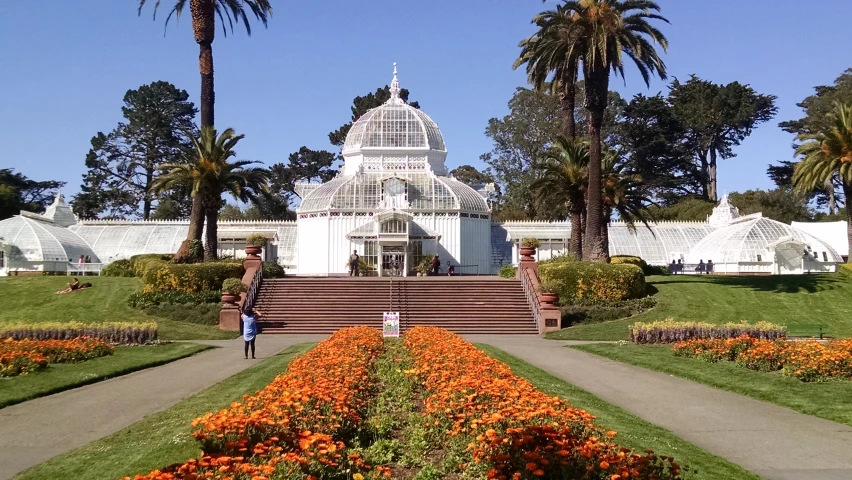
<point>35,431</point>
<point>768,440</point>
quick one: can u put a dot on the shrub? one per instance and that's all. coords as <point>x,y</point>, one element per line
<point>118,268</point>
<point>273,270</point>
<point>846,268</point>
<point>590,283</point>
<point>605,311</point>
<point>159,275</point>
<point>200,314</point>
<point>669,331</point>
<point>125,333</point>
<point>633,260</point>
<point>150,299</point>
<point>508,271</point>
<point>233,286</point>
<point>530,243</point>
<point>256,240</point>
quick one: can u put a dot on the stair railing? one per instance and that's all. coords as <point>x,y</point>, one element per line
<point>253,289</point>
<point>529,279</point>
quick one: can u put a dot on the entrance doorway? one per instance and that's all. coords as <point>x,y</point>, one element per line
<point>393,261</point>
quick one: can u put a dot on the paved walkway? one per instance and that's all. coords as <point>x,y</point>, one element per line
<point>771,441</point>
<point>35,431</point>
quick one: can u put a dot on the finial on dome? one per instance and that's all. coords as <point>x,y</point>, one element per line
<point>394,88</point>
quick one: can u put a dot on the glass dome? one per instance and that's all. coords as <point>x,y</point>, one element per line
<point>394,126</point>
<point>37,239</point>
<point>750,239</point>
<point>422,191</point>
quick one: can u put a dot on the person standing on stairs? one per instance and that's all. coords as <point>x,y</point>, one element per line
<point>354,263</point>
<point>250,317</point>
<point>436,266</point>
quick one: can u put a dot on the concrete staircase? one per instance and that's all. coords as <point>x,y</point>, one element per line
<point>486,305</point>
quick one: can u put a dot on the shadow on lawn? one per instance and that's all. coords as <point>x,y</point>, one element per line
<point>811,283</point>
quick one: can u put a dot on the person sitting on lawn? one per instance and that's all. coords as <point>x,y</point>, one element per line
<point>74,285</point>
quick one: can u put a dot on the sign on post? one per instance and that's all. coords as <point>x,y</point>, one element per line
<point>390,324</point>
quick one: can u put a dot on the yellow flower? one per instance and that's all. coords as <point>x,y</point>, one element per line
<point>357,476</point>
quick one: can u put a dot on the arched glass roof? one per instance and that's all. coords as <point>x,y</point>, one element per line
<point>394,126</point>
<point>748,237</point>
<point>37,239</point>
<point>365,191</point>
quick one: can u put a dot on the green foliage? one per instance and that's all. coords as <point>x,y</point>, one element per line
<point>306,165</point>
<point>199,314</point>
<point>159,275</point>
<point>17,192</point>
<point>425,265</point>
<point>149,299</point>
<point>469,175</point>
<point>530,243</point>
<point>273,270</point>
<point>632,260</point>
<point>257,240</point>
<point>549,286</point>
<point>589,283</point>
<point>508,271</point>
<point>118,268</point>
<point>125,333</point>
<point>669,331</point>
<point>781,204</point>
<point>605,311</point>
<point>690,209</point>
<point>233,286</point>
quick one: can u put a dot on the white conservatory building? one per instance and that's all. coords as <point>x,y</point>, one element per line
<point>394,203</point>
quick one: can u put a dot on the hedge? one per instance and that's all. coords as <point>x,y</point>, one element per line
<point>669,331</point>
<point>125,333</point>
<point>118,268</point>
<point>633,260</point>
<point>585,282</point>
<point>508,271</point>
<point>272,270</point>
<point>158,275</point>
<point>174,297</point>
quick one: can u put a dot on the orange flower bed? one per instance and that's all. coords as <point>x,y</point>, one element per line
<point>19,357</point>
<point>513,430</point>
<point>807,361</point>
<point>298,426</point>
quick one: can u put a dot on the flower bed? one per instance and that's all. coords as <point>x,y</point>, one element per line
<point>511,429</point>
<point>807,361</point>
<point>124,333</point>
<point>301,425</point>
<point>19,357</point>
<point>669,331</point>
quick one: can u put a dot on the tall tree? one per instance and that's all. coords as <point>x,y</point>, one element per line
<point>305,165</point>
<point>469,175</point>
<point>816,108</point>
<point>624,193</point>
<point>560,191</point>
<point>824,196</point>
<point>158,121</point>
<point>17,192</point>
<point>781,204</point>
<point>655,145</point>
<point>210,173</point>
<point>828,152</point>
<point>605,32</point>
<point>204,13</point>
<point>718,118</point>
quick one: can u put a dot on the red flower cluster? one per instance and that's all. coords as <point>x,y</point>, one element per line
<point>807,360</point>
<point>19,357</point>
<point>512,429</point>
<point>298,426</point>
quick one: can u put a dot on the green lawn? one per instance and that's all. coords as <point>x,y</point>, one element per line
<point>787,300</point>
<point>34,299</point>
<point>161,439</point>
<point>829,400</point>
<point>59,377</point>
<point>633,432</point>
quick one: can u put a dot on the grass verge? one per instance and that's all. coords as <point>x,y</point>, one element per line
<point>163,438</point>
<point>828,400</point>
<point>33,299</point>
<point>796,301</point>
<point>633,432</point>
<point>65,376</point>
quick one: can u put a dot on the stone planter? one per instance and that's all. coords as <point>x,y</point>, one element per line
<point>253,250</point>
<point>527,254</point>
<point>230,298</point>
<point>548,299</point>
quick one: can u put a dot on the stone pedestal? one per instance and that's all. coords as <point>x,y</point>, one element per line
<point>229,318</point>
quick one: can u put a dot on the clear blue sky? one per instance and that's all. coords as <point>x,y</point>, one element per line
<point>65,66</point>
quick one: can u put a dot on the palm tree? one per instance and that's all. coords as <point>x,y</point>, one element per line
<point>826,153</point>
<point>554,49</point>
<point>561,189</point>
<point>211,174</point>
<point>602,33</point>
<point>204,13</point>
<point>624,193</point>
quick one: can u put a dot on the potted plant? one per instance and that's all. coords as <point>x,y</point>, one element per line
<point>547,293</point>
<point>231,290</point>
<point>255,243</point>
<point>528,247</point>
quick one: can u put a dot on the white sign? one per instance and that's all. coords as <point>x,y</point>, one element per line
<point>390,324</point>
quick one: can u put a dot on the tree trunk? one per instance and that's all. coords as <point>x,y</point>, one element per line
<point>712,175</point>
<point>832,201</point>
<point>605,233</point>
<point>146,203</point>
<point>705,184</point>
<point>577,233</point>
<point>211,243</point>
<point>597,86</point>
<point>847,198</point>
<point>196,226</point>
<point>568,105</point>
<point>204,29</point>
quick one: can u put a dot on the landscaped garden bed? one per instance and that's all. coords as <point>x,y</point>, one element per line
<point>669,331</point>
<point>20,357</point>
